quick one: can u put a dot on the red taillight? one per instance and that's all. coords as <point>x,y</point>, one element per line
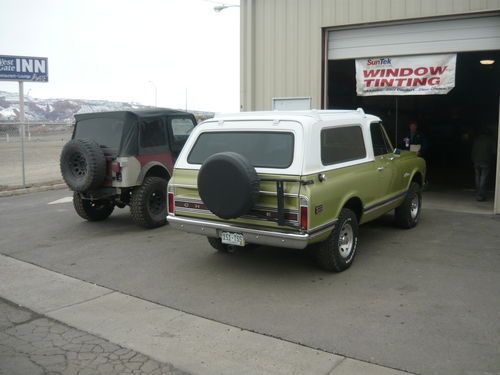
<point>116,167</point>
<point>171,207</point>
<point>304,222</point>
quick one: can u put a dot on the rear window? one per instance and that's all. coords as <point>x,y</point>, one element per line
<point>339,145</point>
<point>262,149</point>
<point>106,132</point>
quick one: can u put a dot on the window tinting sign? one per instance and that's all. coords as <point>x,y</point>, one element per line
<point>406,75</point>
<point>24,68</point>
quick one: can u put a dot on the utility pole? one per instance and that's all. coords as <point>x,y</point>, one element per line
<point>21,118</point>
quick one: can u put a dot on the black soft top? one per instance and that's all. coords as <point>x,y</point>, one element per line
<point>131,114</point>
<point>131,120</point>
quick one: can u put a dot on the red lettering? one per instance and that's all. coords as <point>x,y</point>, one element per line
<point>386,82</point>
<point>371,73</point>
<point>421,71</point>
<point>391,73</point>
<point>368,82</point>
<point>433,81</point>
<point>405,72</point>
<point>438,69</point>
<point>419,81</point>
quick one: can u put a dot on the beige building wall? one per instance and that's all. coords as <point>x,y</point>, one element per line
<point>281,40</point>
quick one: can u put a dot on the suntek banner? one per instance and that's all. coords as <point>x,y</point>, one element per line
<point>406,75</point>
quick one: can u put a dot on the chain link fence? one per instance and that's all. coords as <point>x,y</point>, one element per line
<point>42,147</point>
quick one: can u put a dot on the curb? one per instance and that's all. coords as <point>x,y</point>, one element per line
<point>188,342</point>
<point>33,189</point>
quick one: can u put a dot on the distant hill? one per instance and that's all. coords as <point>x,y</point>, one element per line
<point>63,110</point>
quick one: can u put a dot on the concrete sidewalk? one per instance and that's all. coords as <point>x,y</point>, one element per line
<point>36,345</point>
<point>176,340</point>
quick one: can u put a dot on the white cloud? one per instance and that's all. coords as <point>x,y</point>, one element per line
<point>111,49</point>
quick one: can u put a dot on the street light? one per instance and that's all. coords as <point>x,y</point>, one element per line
<point>156,93</point>
<point>220,8</point>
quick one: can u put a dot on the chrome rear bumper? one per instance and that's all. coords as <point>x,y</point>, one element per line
<point>254,236</point>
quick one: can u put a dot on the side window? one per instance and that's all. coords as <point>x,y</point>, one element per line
<point>380,146</point>
<point>340,145</point>
<point>152,133</point>
<point>181,128</point>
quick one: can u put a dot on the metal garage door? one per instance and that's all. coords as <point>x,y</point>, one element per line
<point>458,35</point>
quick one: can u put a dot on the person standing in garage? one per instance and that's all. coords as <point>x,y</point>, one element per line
<point>482,154</point>
<point>415,140</point>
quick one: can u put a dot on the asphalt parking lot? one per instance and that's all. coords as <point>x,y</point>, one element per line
<point>424,300</point>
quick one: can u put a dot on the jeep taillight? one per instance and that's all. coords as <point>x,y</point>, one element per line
<point>171,204</point>
<point>116,167</point>
<point>304,213</point>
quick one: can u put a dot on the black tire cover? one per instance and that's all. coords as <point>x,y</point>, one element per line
<point>228,185</point>
<point>83,165</point>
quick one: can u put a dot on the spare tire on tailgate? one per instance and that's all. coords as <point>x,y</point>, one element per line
<point>228,185</point>
<point>83,165</point>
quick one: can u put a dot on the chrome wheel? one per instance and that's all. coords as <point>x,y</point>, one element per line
<point>414,206</point>
<point>346,240</point>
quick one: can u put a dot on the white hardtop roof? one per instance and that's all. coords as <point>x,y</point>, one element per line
<point>309,116</point>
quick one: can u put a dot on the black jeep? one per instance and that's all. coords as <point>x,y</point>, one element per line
<point>124,158</point>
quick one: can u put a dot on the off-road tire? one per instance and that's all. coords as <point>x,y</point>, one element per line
<point>92,210</point>
<point>217,244</point>
<point>83,165</point>
<point>148,205</point>
<point>407,214</point>
<point>329,255</point>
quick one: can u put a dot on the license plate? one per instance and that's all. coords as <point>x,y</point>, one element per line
<point>229,238</point>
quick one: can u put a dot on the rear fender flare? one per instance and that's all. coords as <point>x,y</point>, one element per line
<point>148,167</point>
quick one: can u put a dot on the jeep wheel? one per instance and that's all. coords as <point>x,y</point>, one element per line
<point>83,165</point>
<point>92,210</point>
<point>228,185</point>
<point>338,251</point>
<point>149,203</point>
<point>408,214</point>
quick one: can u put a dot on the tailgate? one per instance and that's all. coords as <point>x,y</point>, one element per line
<point>274,208</point>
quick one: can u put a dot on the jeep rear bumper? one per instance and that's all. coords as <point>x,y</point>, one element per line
<point>254,236</point>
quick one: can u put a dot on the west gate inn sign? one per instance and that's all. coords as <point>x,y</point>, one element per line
<point>24,68</point>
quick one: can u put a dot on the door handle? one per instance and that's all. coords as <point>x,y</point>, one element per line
<point>380,169</point>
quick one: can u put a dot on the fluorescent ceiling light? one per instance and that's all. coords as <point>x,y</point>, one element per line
<point>487,62</point>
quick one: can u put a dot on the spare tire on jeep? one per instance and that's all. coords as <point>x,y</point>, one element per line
<point>83,165</point>
<point>228,185</point>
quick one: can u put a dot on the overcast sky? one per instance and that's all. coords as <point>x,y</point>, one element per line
<point>111,49</point>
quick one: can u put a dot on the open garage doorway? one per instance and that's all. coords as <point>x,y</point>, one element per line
<point>450,122</point>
